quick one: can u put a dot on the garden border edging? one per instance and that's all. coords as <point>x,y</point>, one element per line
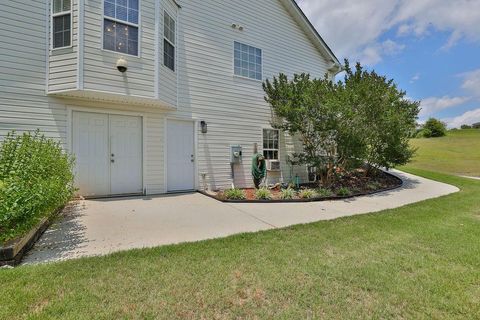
<point>12,252</point>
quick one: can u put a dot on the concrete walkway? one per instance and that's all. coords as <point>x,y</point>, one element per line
<point>96,227</point>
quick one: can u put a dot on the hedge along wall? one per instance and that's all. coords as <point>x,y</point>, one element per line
<point>36,178</point>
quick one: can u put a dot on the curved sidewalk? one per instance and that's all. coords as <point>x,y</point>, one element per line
<point>96,227</point>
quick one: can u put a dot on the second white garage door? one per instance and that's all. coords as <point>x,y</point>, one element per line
<point>108,154</point>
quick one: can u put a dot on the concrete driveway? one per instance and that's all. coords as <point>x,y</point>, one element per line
<point>96,227</point>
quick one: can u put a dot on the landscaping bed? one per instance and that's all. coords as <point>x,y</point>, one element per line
<point>347,185</point>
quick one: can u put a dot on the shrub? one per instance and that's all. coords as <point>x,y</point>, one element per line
<point>234,194</point>
<point>343,192</point>
<point>287,194</point>
<point>263,194</point>
<point>465,126</point>
<point>307,194</point>
<point>365,118</point>
<point>374,185</point>
<point>324,192</point>
<point>434,128</point>
<point>36,180</point>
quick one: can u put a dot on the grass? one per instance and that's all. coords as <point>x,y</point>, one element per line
<point>421,261</point>
<point>457,153</point>
<point>418,261</point>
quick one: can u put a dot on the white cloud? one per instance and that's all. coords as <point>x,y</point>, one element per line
<point>471,82</point>
<point>415,78</point>
<point>468,117</point>
<point>434,104</point>
<point>373,54</point>
<point>353,27</point>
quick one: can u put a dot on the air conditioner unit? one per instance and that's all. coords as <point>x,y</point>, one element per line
<point>273,165</point>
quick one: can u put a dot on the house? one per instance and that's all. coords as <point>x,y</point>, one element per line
<point>155,96</point>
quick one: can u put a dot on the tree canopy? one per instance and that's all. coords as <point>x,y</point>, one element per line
<point>363,119</point>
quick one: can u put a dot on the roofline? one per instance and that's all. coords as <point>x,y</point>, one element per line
<point>315,32</point>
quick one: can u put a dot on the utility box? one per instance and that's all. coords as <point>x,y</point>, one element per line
<point>235,154</point>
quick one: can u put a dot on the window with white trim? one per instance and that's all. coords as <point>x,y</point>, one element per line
<point>270,144</point>
<point>120,26</point>
<point>61,23</point>
<point>168,41</point>
<point>247,61</point>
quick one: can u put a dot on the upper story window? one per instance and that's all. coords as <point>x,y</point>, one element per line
<point>61,23</point>
<point>248,61</point>
<point>120,26</point>
<point>168,41</point>
<point>270,144</point>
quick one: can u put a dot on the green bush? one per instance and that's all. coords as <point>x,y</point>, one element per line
<point>263,194</point>
<point>36,179</point>
<point>343,192</point>
<point>234,194</point>
<point>307,194</point>
<point>287,194</point>
<point>434,128</point>
<point>324,192</point>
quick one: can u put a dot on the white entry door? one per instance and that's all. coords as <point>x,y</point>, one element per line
<point>125,154</point>
<point>180,156</point>
<point>108,154</point>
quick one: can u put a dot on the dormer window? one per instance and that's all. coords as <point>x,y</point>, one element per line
<point>120,26</point>
<point>61,24</point>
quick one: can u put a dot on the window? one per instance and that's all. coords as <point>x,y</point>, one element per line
<point>168,41</point>
<point>248,61</point>
<point>61,23</point>
<point>120,26</point>
<point>270,144</point>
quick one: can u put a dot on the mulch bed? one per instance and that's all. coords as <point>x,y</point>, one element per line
<point>357,182</point>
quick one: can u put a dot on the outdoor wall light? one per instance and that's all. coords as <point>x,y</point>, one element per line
<point>122,65</point>
<point>203,126</point>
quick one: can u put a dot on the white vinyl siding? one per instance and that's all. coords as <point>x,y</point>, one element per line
<point>62,61</point>
<point>168,80</point>
<point>100,73</point>
<point>233,107</point>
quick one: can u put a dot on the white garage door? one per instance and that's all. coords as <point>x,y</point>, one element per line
<point>108,154</point>
<point>180,156</point>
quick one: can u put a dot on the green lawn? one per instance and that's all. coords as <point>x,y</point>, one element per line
<point>419,261</point>
<point>457,153</point>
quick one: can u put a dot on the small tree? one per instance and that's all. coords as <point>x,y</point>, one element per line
<point>465,126</point>
<point>384,119</point>
<point>363,119</point>
<point>434,128</point>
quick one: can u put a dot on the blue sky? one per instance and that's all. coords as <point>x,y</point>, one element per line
<point>431,48</point>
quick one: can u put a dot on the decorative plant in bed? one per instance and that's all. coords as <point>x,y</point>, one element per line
<point>348,130</point>
<point>351,184</point>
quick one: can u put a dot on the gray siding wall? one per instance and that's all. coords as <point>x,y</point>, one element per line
<point>234,107</point>
<point>207,90</point>
<point>63,68</point>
